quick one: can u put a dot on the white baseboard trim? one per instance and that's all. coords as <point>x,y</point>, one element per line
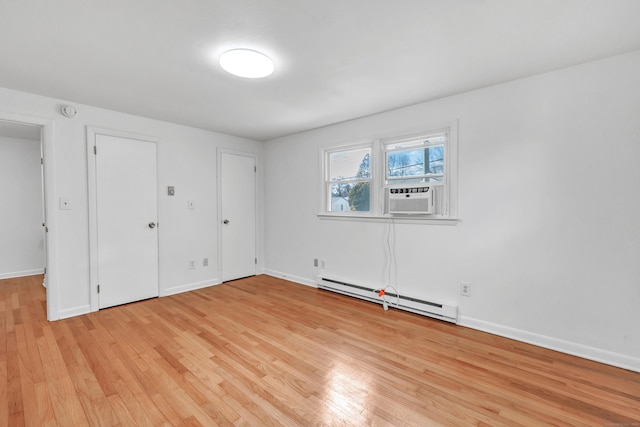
<point>75,311</point>
<point>189,287</point>
<point>25,273</point>
<point>568,347</point>
<point>291,278</point>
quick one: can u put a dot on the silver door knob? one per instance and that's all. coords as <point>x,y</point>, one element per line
<point>152,225</point>
<point>226,221</point>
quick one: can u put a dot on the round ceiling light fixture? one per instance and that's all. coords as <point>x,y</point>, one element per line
<point>246,63</point>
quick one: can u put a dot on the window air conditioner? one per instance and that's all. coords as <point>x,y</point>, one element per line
<point>415,200</point>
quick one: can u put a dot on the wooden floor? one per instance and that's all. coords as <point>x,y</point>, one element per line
<point>263,351</point>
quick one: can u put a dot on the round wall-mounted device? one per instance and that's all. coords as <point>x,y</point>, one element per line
<point>69,111</point>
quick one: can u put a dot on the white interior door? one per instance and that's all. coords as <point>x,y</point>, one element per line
<point>126,207</point>
<point>238,209</point>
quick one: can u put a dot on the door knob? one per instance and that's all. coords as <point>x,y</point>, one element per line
<point>152,225</point>
<point>226,221</point>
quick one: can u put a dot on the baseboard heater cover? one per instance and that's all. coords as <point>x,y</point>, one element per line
<point>448,313</point>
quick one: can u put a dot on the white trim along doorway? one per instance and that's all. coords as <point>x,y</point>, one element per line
<point>49,190</point>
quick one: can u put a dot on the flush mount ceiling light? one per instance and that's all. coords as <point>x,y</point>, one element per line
<point>246,63</point>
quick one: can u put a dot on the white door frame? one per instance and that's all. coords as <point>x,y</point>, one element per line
<point>256,158</point>
<point>50,196</point>
<point>93,203</point>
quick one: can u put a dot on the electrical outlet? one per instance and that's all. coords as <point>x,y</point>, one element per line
<point>192,264</point>
<point>315,262</point>
<point>322,263</point>
<point>205,262</point>
<point>465,289</point>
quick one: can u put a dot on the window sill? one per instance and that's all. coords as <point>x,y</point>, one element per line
<point>405,219</point>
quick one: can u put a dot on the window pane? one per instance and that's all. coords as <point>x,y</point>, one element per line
<point>350,197</point>
<point>350,164</point>
<point>416,162</point>
<point>435,156</point>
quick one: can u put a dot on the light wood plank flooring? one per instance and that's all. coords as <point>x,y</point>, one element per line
<point>263,351</point>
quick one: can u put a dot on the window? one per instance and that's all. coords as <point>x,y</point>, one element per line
<point>421,159</point>
<point>416,160</point>
<point>359,180</point>
<point>348,180</point>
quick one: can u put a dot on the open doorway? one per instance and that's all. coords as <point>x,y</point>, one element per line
<point>22,247</point>
<point>26,245</point>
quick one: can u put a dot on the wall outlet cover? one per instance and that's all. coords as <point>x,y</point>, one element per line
<point>465,289</point>
<point>65,203</point>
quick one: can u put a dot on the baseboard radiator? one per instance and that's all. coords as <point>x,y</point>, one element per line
<point>448,313</point>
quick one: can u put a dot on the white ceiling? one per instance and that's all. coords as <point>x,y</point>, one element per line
<point>335,59</point>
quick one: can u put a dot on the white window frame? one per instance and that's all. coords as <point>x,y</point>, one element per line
<point>379,184</point>
<point>389,150</point>
<point>325,206</point>
<point>447,206</point>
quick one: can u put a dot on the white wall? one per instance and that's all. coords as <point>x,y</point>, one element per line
<point>549,198</point>
<point>186,159</point>
<point>21,232</point>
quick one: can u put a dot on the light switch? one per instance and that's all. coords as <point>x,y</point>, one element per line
<point>65,203</point>
<point>190,204</point>
<point>171,190</point>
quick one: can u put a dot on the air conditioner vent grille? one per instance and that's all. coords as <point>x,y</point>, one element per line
<point>410,200</point>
